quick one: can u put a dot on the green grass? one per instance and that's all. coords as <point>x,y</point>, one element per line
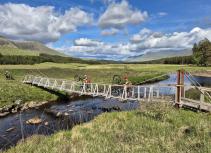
<point>136,67</point>
<point>97,73</point>
<point>5,50</point>
<point>156,128</point>
<point>11,91</point>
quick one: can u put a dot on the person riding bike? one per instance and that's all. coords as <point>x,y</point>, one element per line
<point>87,82</point>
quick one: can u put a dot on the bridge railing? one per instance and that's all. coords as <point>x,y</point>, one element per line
<point>124,92</point>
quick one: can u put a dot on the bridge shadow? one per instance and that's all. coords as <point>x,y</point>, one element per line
<point>62,96</point>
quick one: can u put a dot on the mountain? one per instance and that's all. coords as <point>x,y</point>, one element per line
<point>31,48</point>
<point>159,55</point>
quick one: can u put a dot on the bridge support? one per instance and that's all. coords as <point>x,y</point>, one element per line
<point>180,92</point>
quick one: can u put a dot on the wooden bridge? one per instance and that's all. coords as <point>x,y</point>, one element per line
<point>173,92</point>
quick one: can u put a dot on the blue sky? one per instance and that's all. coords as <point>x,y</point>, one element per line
<point>91,28</point>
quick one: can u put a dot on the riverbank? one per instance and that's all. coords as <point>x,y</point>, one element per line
<point>18,105</point>
<point>156,127</point>
<point>204,73</point>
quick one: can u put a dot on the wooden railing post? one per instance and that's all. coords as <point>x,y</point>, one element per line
<point>202,96</point>
<point>182,83</point>
<point>178,91</point>
<point>138,92</point>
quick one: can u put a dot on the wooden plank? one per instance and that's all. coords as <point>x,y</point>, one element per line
<point>196,104</point>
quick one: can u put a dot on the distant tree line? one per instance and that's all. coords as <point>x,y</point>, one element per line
<point>16,59</point>
<point>179,60</point>
<point>170,60</point>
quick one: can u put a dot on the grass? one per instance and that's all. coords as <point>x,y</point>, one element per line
<point>5,50</point>
<point>14,90</point>
<point>156,128</point>
<point>11,91</point>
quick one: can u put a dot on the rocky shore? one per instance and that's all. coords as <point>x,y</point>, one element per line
<point>20,106</point>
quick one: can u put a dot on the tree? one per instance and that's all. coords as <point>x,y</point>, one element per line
<point>202,53</point>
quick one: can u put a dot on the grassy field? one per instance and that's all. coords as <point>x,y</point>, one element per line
<point>155,128</point>
<point>14,90</point>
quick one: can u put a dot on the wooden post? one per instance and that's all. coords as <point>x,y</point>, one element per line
<point>125,89</point>
<point>138,92</point>
<point>158,93</point>
<point>150,97</point>
<point>62,87</point>
<point>97,89</point>
<point>182,83</point>
<point>202,96</point>
<point>91,88</point>
<point>104,89</point>
<point>178,92</point>
<point>133,92</point>
<point>145,92</point>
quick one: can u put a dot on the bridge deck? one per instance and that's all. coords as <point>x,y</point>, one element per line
<point>195,104</point>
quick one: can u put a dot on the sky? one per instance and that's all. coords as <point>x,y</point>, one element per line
<point>107,29</point>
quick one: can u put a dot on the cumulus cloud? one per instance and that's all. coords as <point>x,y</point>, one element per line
<point>87,42</point>
<point>85,47</point>
<point>20,21</point>
<point>145,41</point>
<point>118,15</point>
<point>109,32</point>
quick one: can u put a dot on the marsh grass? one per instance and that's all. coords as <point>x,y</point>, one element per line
<point>155,128</point>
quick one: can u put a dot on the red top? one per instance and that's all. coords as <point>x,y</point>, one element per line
<point>125,78</point>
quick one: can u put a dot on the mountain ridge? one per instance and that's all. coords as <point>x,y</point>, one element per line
<point>159,55</point>
<point>11,47</point>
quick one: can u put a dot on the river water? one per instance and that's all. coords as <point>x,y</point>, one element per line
<point>82,109</point>
<point>77,111</point>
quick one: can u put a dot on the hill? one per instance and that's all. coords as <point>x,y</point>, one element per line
<point>159,55</point>
<point>30,48</point>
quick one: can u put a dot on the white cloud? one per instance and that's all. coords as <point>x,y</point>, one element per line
<point>85,47</point>
<point>103,1</point>
<point>20,21</point>
<point>87,42</point>
<point>162,13</point>
<point>109,32</point>
<point>147,39</point>
<point>141,43</point>
<point>118,15</point>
